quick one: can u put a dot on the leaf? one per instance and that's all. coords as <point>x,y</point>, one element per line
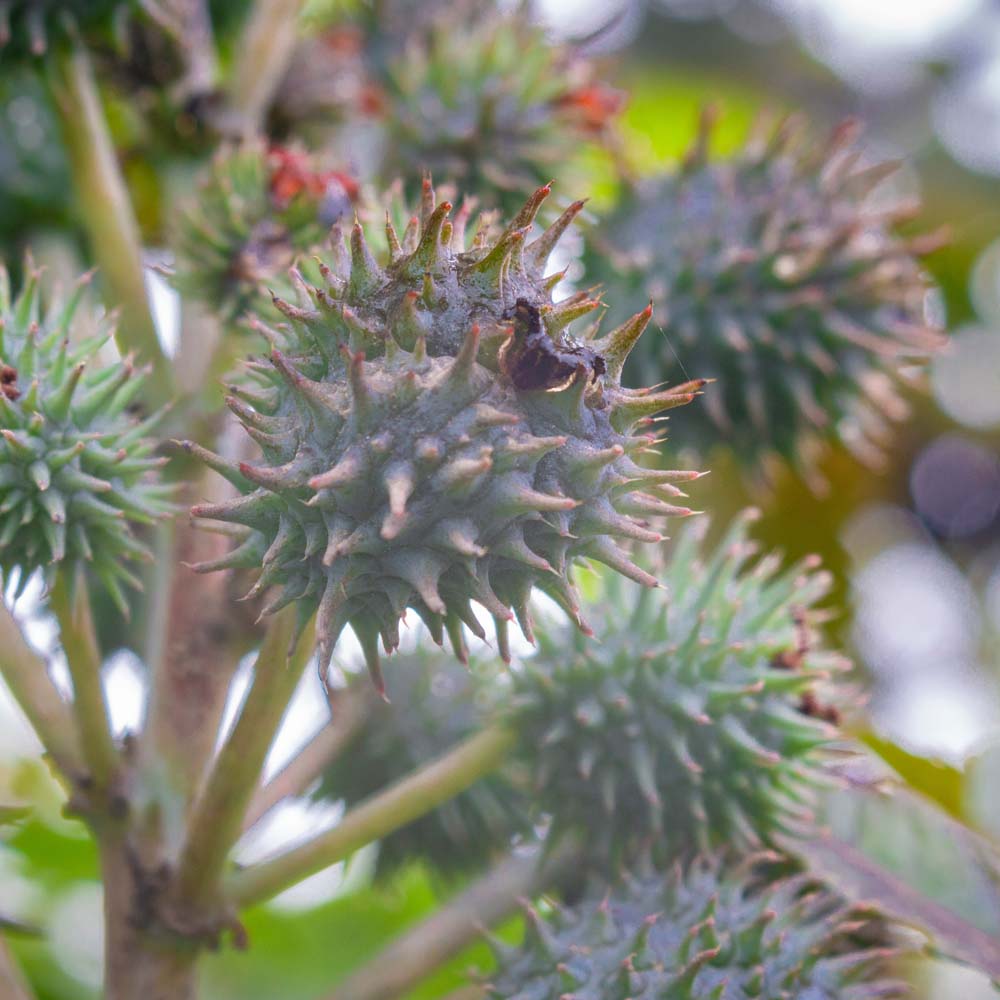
<point>940,782</point>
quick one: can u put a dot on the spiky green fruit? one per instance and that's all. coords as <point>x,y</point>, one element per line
<point>783,280</point>
<point>29,28</point>
<point>75,467</point>
<point>710,930</point>
<point>432,436</point>
<point>488,102</point>
<point>257,209</point>
<point>681,728</point>
<point>436,704</point>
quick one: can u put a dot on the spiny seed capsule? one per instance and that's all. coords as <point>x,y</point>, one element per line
<point>684,727</point>
<point>776,273</point>
<point>431,435</point>
<point>76,469</point>
<point>257,209</point>
<point>709,930</point>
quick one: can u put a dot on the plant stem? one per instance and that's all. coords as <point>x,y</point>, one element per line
<point>311,761</point>
<point>407,800</point>
<point>217,818</point>
<point>13,985</point>
<point>195,644</point>
<point>417,952</point>
<point>71,605</point>
<point>107,213</point>
<point>27,676</point>
<point>138,965</point>
<point>265,50</point>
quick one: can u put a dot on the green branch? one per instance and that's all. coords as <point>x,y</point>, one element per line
<point>407,800</point>
<point>27,676</point>
<point>265,51</point>
<point>418,951</point>
<point>312,760</point>
<point>71,605</point>
<point>216,821</point>
<point>107,213</point>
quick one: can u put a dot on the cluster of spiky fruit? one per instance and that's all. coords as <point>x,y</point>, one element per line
<point>257,209</point>
<point>74,465</point>
<point>486,101</point>
<point>710,930</point>
<point>682,727</point>
<point>782,280</point>
<point>436,703</point>
<point>431,435</point>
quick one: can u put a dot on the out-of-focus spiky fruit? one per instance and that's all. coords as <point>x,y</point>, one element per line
<point>432,436</point>
<point>257,209</point>
<point>681,728</point>
<point>489,103</point>
<point>710,930</point>
<point>782,279</point>
<point>75,468</point>
<point>29,28</point>
<point>436,704</point>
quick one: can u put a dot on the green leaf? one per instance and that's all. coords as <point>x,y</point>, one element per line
<point>938,781</point>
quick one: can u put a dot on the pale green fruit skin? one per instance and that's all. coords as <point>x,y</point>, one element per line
<point>76,469</point>
<point>775,272</point>
<point>403,468</point>
<point>681,728</point>
<point>708,930</point>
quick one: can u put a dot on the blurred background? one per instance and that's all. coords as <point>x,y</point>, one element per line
<point>915,547</point>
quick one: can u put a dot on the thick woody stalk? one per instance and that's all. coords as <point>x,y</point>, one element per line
<point>404,802</point>
<point>27,676</point>
<point>107,213</point>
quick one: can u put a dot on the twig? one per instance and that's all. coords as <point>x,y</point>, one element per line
<point>217,818</point>
<point>407,800</point>
<point>107,212</point>
<point>13,985</point>
<point>188,23</point>
<point>28,678</point>
<point>265,50</point>
<point>417,952</point>
<point>71,605</point>
<point>311,761</point>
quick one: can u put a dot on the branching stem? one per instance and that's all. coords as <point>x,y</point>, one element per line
<point>27,676</point>
<point>71,605</point>
<point>107,213</point>
<point>407,800</point>
<point>417,952</point>
<point>217,818</point>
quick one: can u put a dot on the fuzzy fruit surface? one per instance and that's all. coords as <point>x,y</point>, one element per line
<point>778,274</point>
<point>683,728</point>
<point>710,930</point>
<point>76,468</point>
<point>402,466</point>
